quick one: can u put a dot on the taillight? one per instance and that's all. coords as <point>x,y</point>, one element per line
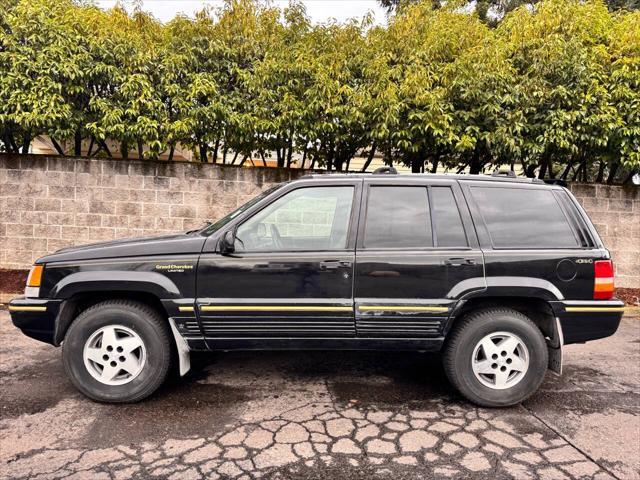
<point>603,284</point>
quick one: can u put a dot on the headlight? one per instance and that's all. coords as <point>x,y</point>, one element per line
<point>34,280</point>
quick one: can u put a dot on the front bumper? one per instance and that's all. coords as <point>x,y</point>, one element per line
<point>585,320</point>
<point>36,317</point>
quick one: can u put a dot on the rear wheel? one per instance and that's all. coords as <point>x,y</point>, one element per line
<point>496,357</point>
<point>117,351</point>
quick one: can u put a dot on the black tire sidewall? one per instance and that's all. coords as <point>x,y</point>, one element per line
<point>141,323</point>
<point>492,322</point>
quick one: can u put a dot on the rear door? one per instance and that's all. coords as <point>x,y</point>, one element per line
<point>417,253</point>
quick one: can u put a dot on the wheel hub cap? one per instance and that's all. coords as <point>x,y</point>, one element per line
<point>500,360</point>
<point>114,355</point>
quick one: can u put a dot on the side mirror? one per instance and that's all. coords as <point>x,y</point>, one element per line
<point>227,243</point>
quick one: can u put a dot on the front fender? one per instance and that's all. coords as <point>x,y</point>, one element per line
<point>105,281</point>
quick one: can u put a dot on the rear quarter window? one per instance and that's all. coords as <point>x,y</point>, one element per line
<point>524,218</point>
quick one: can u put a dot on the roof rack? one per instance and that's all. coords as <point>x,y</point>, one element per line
<point>385,171</point>
<point>504,173</point>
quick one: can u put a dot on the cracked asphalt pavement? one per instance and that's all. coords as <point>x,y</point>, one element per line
<point>321,415</point>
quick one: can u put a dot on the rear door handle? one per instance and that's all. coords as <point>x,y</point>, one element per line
<point>458,261</point>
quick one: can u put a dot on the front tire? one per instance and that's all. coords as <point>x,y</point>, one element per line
<point>117,351</point>
<point>496,357</point>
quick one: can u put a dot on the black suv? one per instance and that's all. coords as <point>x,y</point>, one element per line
<point>496,272</point>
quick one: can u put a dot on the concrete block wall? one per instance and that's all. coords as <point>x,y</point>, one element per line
<point>47,203</point>
<point>615,212</point>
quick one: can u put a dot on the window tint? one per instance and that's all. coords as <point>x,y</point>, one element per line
<point>523,218</point>
<point>446,219</point>
<point>314,218</point>
<point>398,217</point>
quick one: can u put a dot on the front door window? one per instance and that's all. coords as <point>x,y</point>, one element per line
<point>313,218</point>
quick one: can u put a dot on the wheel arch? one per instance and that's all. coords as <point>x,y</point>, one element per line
<point>80,301</point>
<point>536,308</point>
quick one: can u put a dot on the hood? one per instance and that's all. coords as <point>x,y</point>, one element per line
<point>130,247</point>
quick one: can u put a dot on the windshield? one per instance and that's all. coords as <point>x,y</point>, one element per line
<point>209,229</point>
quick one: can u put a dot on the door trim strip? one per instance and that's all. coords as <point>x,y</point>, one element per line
<point>400,308</point>
<point>273,308</point>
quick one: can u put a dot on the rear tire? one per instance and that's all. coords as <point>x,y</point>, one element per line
<point>118,351</point>
<point>495,357</point>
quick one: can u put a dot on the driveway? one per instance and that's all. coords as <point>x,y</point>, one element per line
<point>321,415</point>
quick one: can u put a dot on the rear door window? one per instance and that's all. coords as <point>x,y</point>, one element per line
<point>398,217</point>
<point>524,218</point>
<point>446,219</point>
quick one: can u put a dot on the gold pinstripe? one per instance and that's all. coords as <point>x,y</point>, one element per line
<point>594,309</point>
<point>16,308</point>
<point>400,308</point>
<point>273,308</point>
<point>185,309</point>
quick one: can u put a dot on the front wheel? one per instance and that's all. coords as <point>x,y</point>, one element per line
<point>117,351</point>
<point>496,357</point>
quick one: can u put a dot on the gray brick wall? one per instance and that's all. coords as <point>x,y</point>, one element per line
<point>47,203</point>
<point>615,212</point>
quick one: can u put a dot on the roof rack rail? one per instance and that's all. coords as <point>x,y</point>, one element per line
<point>385,171</point>
<point>555,181</point>
<point>504,173</point>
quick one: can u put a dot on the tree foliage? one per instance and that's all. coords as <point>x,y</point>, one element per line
<point>553,86</point>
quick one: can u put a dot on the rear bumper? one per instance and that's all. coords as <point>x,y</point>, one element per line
<point>36,317</point>
<point>585,320</point>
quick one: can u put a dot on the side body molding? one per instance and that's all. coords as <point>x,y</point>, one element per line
<point>149,282</point>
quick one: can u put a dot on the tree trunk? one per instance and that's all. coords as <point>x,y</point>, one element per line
<point>304,157</point>
<point>434,167</point>
<point>26,142</point>
<point>566,170</point>
<point>172,149</point>
<point>124,150</point>
<point>600,176</point>
<point>140,150</point>
<point>105,147</point>
<point>543,170</point>
<point>57,146</point>
<point>91,143</point>
<point>203,153</point>
<point>235,157</point>
<point>290,153</point>
<point>415,165</point>
<point>612,173</point>
<point>77,143</point>
<point>215,150</point>
<point>372,152</point>
<point>13,143</point>
<point>264,160</point>
<point>475,165</point>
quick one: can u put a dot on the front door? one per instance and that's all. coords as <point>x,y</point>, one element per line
<point>417,254</point>
<point>291,274</point>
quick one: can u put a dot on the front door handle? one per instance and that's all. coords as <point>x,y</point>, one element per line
<point>458,261</point>
<point>333,264</point>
